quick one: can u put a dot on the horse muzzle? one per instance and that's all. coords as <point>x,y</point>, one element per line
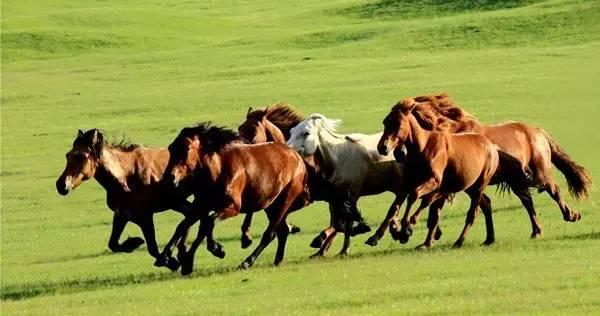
<point>62,186</point>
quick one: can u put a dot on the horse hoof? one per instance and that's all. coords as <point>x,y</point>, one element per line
<point>161,261</point>
<point>457,244</point>
<point>360,228</point>
<point>317,242</point>
<point>536,235</point>
<point>438,234</point>
<point>186,271</point>
<point>218,251</point>
<point>422,247</point>
<point>343,254</point>
<point>403,239</point>
<point>173,264</point>
<point>372,241</point>
<point>245,265</point>
<point>131,244</point>
<point>294,229</point>
<point>246,242</point>
<point>487,243</point>
<point>316,256</point>
<point>412,220</point>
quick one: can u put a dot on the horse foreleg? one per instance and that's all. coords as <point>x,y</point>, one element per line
<point>390,216</point>
<point>186,259</point>
<point>130,244</point>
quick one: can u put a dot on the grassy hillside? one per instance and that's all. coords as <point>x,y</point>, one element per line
<point>145,69</point>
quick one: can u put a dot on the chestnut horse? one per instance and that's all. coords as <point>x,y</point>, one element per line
<point>263,126</point>
<point>438,164</point>
<point>229,178</point>
<point>274,123</point>
<point>532,146</point>
<point>130,174</point>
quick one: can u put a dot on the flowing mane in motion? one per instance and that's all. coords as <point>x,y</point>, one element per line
<point>278,119</point>
<point>532,146</point>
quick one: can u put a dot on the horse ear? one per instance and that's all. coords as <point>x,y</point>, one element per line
<point>96,142</point>
<point>250,109</point>
<point>79,133</point>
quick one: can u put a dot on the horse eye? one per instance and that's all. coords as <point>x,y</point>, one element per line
<point>306,134</point>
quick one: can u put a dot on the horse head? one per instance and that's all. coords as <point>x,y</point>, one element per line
<point>82,160</point>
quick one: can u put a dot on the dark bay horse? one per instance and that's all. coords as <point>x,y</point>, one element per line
<point>131,176</point>
<point>532,146</point>
<point>229,178</point>
<point>438,164</point>
<point>274,124</point>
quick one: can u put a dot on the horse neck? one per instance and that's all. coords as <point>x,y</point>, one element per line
<point>114,166</point>
<point>418,136</point>
<point>274,134</point>
<point>330,144</point>
<point>210,168</point>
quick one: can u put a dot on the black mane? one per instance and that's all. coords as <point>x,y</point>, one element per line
<point>213,138</point>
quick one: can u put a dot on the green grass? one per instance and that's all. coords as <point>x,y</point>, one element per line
<point>148,68</point>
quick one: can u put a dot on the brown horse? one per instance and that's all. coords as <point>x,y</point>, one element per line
<point>231,178</point>
<point>274,123</point>
<point>438,164</point>
<point>259,128</point>
<point>532,146</point>
<point>130,174</point>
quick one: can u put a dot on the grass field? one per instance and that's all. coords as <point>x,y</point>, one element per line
<point>148,68</point>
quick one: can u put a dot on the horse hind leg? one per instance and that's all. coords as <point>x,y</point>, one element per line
<point>471,215</point>
<point>276,212</point>
<point>246,238</point>
<point>527,201</point>
<point>486,208</point>
<point>568,214</point>
<point>282,234</point>
<point>433,221</point>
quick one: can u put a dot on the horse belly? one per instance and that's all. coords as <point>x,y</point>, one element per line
<point>460,174</point>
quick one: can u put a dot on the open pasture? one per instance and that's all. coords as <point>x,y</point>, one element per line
<point>148,68</point>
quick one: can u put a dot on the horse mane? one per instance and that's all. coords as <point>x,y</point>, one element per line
<point>213,138</point>
<point>436,111</point>
<point>123,144</point>
<point>330,125</point>
<point>282,115</point>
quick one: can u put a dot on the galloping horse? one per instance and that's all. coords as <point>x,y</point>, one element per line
<point>261,126</point>
<point>229,178</point>
<point>532,146</point>
<point>438,164</point>
<point>274,124</point>
<point>350,162</point>
<point>130,174</point>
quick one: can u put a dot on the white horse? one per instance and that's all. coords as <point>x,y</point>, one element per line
<point>350,162</point>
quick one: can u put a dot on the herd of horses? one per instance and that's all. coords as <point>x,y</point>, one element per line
<point>280,162</point>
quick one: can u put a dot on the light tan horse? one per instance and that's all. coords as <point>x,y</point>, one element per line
<point>438,164</point>
<point>131,176</point>
<point>532,146</point>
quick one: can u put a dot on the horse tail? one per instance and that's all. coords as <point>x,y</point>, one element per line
<point>511,174</point>
<point>578,179</point>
